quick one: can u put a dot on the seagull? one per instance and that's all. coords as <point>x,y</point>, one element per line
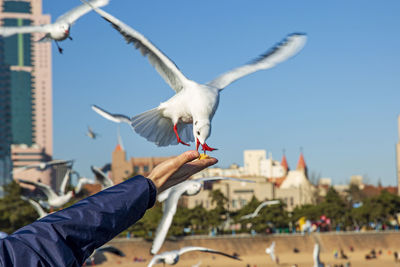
<point>317,262</point>
<point>91,134</point>
<point>172,257</point>
<point>60,29</point>
<point>54,200</point>
<point>98,257</point>
<point>271,251</point>
<point>101,177</point>
<point>118,118</point>
<point>37,207</point>
<point>42,165</point>
<point>262,205</point>
<point>171,197</point>
<point>186,117</point>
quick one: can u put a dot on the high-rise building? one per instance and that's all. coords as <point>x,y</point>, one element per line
<point>398,156</point>
<point>30,87</point>
<point>5,121</point>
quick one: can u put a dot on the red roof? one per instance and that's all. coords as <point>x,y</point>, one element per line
<point>118,147</point>
<point>302,163</point>
<point>284,163</point>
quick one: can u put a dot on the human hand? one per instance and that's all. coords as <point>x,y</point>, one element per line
<point>178,169</point>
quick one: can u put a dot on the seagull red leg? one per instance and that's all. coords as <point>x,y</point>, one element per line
<point>177,136</point>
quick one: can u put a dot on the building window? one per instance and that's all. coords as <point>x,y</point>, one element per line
<point>291,201</point>
<point>136,169</point>
<point>17,7</point>
<point>145,168</point>
<point>234,203</point>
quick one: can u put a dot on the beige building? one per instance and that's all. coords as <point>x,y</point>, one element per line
<point>237,193</point>
<point>121,168</point>
<point>252,161</point>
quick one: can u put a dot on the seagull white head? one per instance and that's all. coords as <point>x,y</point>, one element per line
<point>201,130</point>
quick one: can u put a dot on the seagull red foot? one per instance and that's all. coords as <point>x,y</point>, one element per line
<point>177,136</point>
<point>204,147</point>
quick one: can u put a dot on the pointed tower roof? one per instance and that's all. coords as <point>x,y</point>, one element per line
<point>284,162</point>
<point>118,148</point>
<point>301,165</point>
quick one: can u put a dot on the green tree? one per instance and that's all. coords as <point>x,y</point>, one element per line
<point>15,212</point>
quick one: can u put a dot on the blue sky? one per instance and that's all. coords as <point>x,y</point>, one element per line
<point>338,99</point>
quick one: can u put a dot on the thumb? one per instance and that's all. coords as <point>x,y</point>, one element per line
<point>185,158</point>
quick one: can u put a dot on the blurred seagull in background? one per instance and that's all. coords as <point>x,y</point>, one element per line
<point>91,134</point>
<point>54,200</point>
<point>42,165</point>
<point>171,197</point>
<point>172,257</point>
<point>186,117</point>
<point>262,205</point>
<point>317,262</point>
<point>271,251</point>
<point>98,256</point>
<point>60,29</point>
<point>101,177</point>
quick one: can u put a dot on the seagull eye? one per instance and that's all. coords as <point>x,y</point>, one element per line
<point>195,123</point>
<point>198,132</point>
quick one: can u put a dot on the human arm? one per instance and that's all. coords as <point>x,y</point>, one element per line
<point>69,236</point>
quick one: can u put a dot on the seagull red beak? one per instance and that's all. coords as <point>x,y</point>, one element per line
<point>67,32</point>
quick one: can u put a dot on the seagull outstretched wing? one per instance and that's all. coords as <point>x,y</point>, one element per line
<point>289,47</point>
<point>164,66</point>
<point>169,210</point>
<point>8,31</point>
<point>74,14</point>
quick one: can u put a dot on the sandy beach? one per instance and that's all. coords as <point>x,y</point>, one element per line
<point>252,250</point>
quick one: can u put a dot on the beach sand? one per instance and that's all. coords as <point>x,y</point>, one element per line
<point>252,250</point>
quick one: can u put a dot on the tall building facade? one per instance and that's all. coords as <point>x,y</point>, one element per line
<point>30,87</point>
<point>5,120</point>
<point>398,156</point>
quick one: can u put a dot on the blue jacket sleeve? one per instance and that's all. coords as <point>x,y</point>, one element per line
<point>69,236</point>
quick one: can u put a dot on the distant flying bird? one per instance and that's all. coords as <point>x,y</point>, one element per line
<point>317,261</point>
<point>98,256</point>
<point>60,29</point>
<point>54,200</point>
<point>172,257</point>
<point>262,205</point>
<point>118,118</point>
<point>271,251</point>
<point>187,116</point>
<point>40,211</point>
<point>42,165</point>
<point>171,197</point>
<point>91,134</point>
<point>101,178</point>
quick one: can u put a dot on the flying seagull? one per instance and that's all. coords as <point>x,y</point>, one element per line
<point>54,200</point>
<point>271,251</point>
<point>186,117</point>
<point>262,205</point>
<point>171,197</point>
<point>317,262</point>
<point>60,29</point>
<point>42,165</point>
<point>101,178</point>
<point>91,134</point>
<point>172,257</point>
